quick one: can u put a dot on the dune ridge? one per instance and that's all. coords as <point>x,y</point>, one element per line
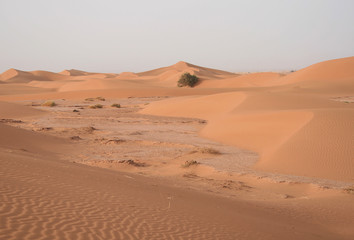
<point>18,76</point>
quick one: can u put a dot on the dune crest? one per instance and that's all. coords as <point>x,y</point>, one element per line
<point>18,76</point>
<point>333,76</point>
<point>73,72</point>
<point>14,75</point>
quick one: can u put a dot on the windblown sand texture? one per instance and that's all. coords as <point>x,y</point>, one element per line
<point>240,156</point>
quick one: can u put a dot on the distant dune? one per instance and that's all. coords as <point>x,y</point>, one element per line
<point>263,79</point>
<point>168,76</point>
<point>335,71</point>
<point>334,76</point>
<point>73,72</point>
<point>17,76</point>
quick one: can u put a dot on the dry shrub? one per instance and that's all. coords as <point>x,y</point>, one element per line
<point>96,106</point>
<point>100,99</point>
<point>190,163</point>
<point>49,104</point>
<point>349,190</point>
<point>94,99</point>
<point>133,163</point>
<point>207,150</point>
<point>116,105</point>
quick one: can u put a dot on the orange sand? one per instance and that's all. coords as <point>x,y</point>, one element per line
<point>300,124</point>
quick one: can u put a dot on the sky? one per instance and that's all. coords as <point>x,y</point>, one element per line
<point>138,35</point>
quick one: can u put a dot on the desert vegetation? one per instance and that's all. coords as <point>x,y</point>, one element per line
<point>116,105</point>
<point>188,80</point>
<point>96,106</point>
<point>190,163</point>
<point>95,99</point>
<point>349,190</point>
<point>206,150</point>
<point>49,104</point>
<point>209,150</point>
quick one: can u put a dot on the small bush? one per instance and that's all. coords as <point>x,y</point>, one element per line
<point>49,104</point>
<point>187,79</point>
<point>116,105</point>
<point>96,106</point>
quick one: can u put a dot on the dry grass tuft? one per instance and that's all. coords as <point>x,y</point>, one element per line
<point>100,99</point>
<point>96,106</point>
<point>94,99</point>
<point>49,104</point>
<point>116,105</point>
<point>133,163</point>
<point>76,138</point>
<point>190,163</point>
<point>206,150</point>
<point>349,190</point>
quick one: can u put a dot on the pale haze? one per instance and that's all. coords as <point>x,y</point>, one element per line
<point>116,36</point>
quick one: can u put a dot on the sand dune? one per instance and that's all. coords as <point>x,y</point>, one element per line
<point>271,131</point>
<point>13,75</point>
<point>127,75</point>
<point>206,107</point>
<point>12,110</point>
<point>46,76</point>
<point>328,155</point>
<point>74,72</point>
<point>20,139</point>
<point>17,76</point>
<point>336,71</point>
<point>27,141</point>
<point>334,76</point>
<point>298,127</point>
<point>186,67</point>
<point>263,79</point>
<point>168,76</point>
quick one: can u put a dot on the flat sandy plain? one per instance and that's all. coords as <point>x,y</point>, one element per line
<point>239,156</point>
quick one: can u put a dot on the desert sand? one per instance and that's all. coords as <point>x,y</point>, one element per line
<point>239,156</point>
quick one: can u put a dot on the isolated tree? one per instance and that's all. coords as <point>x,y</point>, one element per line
<point>187,79</point>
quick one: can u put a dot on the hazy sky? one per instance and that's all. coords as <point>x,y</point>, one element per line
<point>137,35</point>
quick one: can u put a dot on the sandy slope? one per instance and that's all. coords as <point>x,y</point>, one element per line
<point>247,80</point>
<point>60,200</point>
<point>43,196</point>
<point>335,71</point>
<point>12,110</point>
<point>291,136</point>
